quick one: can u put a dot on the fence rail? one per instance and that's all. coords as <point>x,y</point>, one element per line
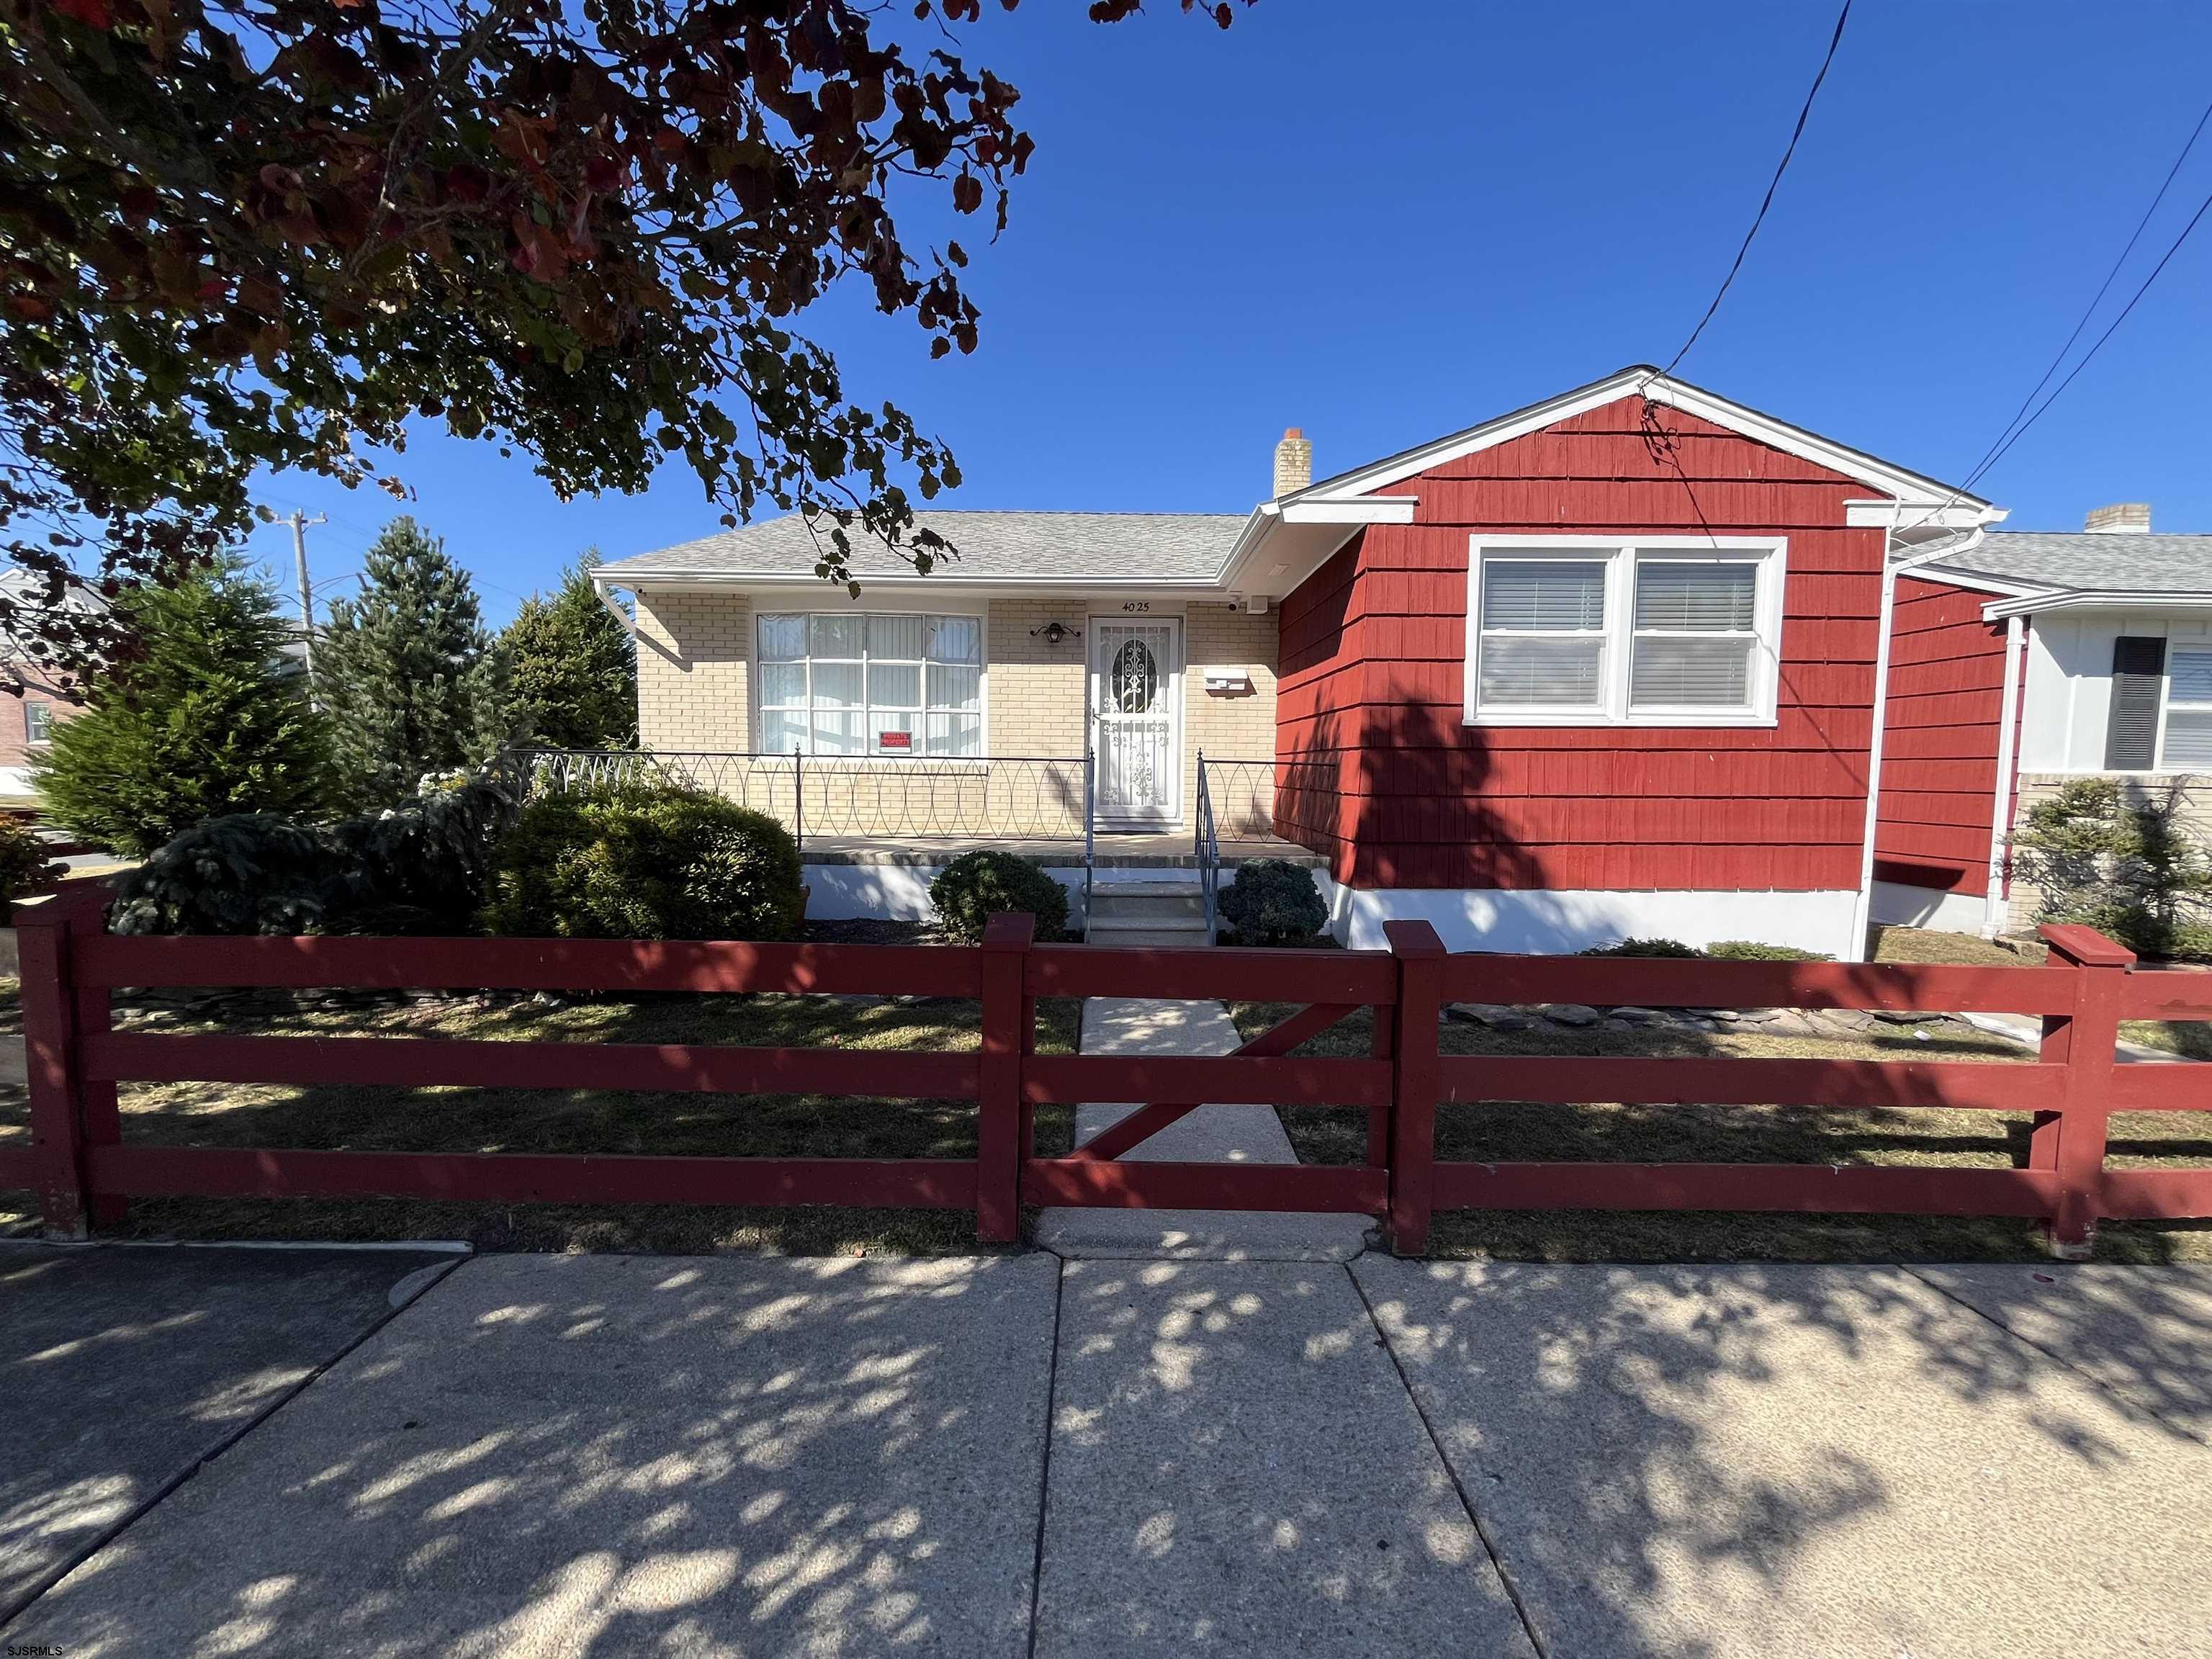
<point>85,1173</point>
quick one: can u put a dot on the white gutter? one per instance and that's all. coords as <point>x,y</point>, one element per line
<point>2097,598</point>
<point>1993,905</point>
<point>1862,911</point>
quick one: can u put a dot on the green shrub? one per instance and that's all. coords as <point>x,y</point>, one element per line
<point>975,886</point>
<point>1273,901</point>
<point>642,860</point>
<point>1643,947</point>
<point>2118,859</point>
<point>419,867</point>
<point>25,869</point>
<point>1751,950</point>
<point>205,719</point>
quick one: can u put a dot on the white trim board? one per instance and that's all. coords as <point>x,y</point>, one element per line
<point>1904,488</point>
<point>1547,922</point>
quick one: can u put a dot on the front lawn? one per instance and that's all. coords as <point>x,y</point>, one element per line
<point>580,1121</point>
<point>1515,1131</point>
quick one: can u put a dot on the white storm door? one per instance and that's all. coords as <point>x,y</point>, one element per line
<point>1136,705</point>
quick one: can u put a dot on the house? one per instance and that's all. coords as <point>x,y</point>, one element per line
<point>2023,659</point>
<point>1607,665</point>
<point>37,695</point>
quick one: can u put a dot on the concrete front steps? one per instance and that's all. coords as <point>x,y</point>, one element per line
<point>1168,909</point>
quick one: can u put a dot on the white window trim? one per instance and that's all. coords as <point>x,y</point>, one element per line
<point>889,757</point>
<point>1620,553</point>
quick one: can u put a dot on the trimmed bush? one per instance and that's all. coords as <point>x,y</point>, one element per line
<point>1750,950</point>
<point>968,891</point>
<point>25,869</point>
<point>1273,902</point>
<point>1643,947</point>
<point>417,868</point>
<point>642,860</point>
<point>1727,950</point>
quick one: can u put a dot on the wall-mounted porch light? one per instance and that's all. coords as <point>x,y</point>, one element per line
<point>1053,633</point>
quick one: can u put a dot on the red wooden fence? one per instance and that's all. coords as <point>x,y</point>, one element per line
<point>85,1172</point>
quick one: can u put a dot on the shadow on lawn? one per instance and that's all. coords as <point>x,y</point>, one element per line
<point>1510,1131</point>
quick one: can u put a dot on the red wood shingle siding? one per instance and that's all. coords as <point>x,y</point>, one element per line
<point>1939,763</point>
<point>1388,781</point>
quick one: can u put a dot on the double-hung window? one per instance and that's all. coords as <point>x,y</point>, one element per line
<point>870,683</point>
<point>2188,740</point>
<point>1658,631</point>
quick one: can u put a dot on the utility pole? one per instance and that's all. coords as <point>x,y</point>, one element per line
<point>299,521</point>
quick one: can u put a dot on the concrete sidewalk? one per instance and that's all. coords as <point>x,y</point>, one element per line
<point>1013,1454</point>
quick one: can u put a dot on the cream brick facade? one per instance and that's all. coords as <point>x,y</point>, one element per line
<point>696,649</point>
<point>694,652</point>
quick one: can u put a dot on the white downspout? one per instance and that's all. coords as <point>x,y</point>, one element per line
<point>1993,905</point>
<point>1862,908</point>
<point>607,600</point>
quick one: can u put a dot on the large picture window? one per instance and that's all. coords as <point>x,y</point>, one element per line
<point>870,683</point>
<point>1662,631</point>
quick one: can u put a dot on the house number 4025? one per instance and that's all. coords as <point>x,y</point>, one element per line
<point>1136,605</point>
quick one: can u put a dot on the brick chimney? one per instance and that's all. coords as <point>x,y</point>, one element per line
<point>2121,519</point>
<point>1293,463</point>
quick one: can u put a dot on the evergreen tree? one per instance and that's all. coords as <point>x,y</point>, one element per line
<point>571,669</point>
<point>406,672</point>
<point>205,717</point>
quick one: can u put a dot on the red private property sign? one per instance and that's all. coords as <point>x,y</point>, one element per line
<point>894,739</point>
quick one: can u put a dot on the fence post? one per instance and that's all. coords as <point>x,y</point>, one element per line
<point>1414,1083</point>
<point>43,931</point>
<point>2071,1141</point>
<point>798,798</point>
<point>1006,939</point>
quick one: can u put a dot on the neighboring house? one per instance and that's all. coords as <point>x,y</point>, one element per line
<point>1604,665</point>
<point>2100,645</point>
<point>33,698</point>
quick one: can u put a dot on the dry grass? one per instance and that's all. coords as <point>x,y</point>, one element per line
<point>2191,1038</point>
<point>580,1121</point>
<point>1514,1132</point>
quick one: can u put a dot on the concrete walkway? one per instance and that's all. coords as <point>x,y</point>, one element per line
<point>1212,1135</point>
<point>1015,1454</point>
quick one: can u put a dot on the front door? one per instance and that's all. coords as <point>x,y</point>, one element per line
<point>1136,708</point>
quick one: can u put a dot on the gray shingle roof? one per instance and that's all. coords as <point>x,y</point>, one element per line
<point>2084,563</point>
<point>1169,546</point>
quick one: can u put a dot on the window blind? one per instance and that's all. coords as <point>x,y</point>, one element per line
<point>2131,730</point>
<point>2188,713</point>
<point>1694,633</point>
<point>1545,595</point>
<point>1681,595</point>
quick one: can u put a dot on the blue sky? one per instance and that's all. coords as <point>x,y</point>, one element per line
<point>1383,222</point>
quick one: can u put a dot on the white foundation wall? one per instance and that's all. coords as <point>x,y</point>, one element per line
<point>1543,922</point>
<point>900,892</point>
<point>1925,907</point>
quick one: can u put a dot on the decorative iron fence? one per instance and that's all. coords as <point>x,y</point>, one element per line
<point>996,798</point>
<point>1242,795</point>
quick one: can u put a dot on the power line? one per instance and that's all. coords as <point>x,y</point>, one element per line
<point>2090,355</point>
<point>1999,443</point>
<point>1758,219</point>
